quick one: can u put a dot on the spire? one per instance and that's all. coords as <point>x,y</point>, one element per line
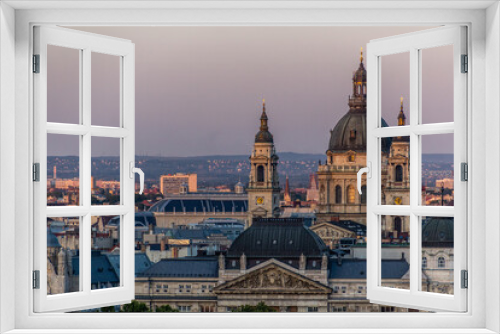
<point>263,117</point>
<point>401,116</point>
<point>287,196</point>
<point>357,101</point>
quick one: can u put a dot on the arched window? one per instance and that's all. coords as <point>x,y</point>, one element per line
<point>441,262</point>
<point>363,194</point>
<point>399,173</point>
<point>351,195</point>
<point>424,262</point>
<point>398,225</point>
<point>260,174</point>
<point>338,194</point>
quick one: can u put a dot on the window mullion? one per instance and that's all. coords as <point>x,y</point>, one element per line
<point>85,184</point>
<point>415,163</point>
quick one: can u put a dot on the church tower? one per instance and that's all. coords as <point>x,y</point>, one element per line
<point>397,188</point>
<point>263,189</point>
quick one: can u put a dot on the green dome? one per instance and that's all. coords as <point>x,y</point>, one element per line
<point>438,232</point>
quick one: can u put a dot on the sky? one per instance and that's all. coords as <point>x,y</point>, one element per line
<point>199,90</point>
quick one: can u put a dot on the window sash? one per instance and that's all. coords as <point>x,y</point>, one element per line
<point>86,44</point>
<point>412,43</point>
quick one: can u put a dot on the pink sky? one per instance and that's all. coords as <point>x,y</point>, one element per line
<point>199,90</point>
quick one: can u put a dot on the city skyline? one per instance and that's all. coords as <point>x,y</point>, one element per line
<point>217,77</point>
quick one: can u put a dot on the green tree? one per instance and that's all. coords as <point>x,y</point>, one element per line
<point>107,309</point>
<point>260,307</point>
<point>166,308</point>
<point>135,307</point>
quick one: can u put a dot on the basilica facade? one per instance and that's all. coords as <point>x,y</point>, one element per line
<point>339,199</point>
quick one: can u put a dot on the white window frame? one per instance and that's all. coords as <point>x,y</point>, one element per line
<point>413,44</point>
<point>483,19</point>
<point>86,44</point>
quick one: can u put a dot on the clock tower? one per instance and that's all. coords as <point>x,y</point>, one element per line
<point>263,189</point>
<point>397,190</point>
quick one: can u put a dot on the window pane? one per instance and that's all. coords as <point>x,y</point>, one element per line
<point>105,89</point>
<point>395,90</point>
<point>437,84</point>
<point>437,254</point>
<point>437,170</point>
<point>395,250</point>
<point>63,170</point>
<point>105,260</point>
<point>63,261</point>
<point>395,171</point>
<point>63,85</point>
<point>105,171</point>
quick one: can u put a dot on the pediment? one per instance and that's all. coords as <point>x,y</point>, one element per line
<point>330,227</point>
<point>272,279</point>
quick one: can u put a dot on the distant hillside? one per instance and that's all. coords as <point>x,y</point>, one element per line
<point>218,169</point>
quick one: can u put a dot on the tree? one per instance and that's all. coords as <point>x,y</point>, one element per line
<point>135,306</point>
<point>107,309</point>
<point>260,307</point>
<point>166,308</point>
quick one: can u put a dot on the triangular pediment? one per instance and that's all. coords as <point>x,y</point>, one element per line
<point>320,229</point>
<point>272,279</point>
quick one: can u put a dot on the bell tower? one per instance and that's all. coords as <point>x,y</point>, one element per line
<point>263,188</point>
<point>397,191</point>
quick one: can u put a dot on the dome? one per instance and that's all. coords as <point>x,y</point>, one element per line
<point>438,231</point>
<point>350,134</point>
<point>277,238</point>
<point>264,137</point>
<point>52,241</point>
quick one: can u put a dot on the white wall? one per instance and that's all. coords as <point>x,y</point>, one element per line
<point>492,166</point>
<point>7,160</point>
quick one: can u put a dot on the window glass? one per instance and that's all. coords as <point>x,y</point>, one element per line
<point>437,170</point>
<point>437,95</point>
<point>105,90</point>
<point>395,89</point>
<point>63,85</point>
<point>438,254</point>
<point>63,170</point>
<point>63,261</point>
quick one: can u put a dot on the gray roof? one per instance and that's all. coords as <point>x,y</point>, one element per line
<point>277,237</point>
<point>184,267</point>
<point>142,262</point>
<point>199,204</point>
<point>106,267</point>
<point>101,271</point>
<point>356,269</point>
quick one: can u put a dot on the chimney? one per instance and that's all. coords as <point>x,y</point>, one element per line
<point>150,229</point>
<point>162,245</point>
<point>339,260</point>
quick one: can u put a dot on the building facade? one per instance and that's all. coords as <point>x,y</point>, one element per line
<point>346,154</point>
<point>171,184</point>
<point>263,187</point>
<point>276,261</point>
